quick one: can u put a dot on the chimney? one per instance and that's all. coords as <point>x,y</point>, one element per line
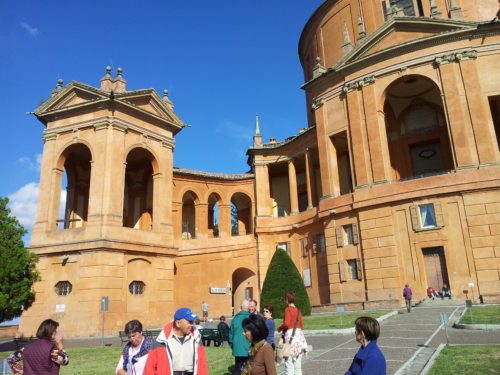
<point>272,141</point>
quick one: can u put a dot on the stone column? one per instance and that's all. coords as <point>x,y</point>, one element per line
<point>462,139</point>
<point>358,136</point>
<point>262,190</point>
<point>201,220</point>
<point>224,220</point>
<point>292,184</point>
<point>377,137</point>
<point>309,178</point>
<point>484,131</point>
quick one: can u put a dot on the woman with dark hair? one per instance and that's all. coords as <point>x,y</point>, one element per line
<point>261,355</point>
<point>292,327</point>
<point>369,359</point>
<point>43,356</point>
<point>268,316</point>
<point>135,353</point>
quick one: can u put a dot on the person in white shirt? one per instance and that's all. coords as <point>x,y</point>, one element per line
<point>135,353</point>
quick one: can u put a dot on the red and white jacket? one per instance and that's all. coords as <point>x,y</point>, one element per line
<point>160,357</point>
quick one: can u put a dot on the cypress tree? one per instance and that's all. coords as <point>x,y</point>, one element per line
<point>282,276</point>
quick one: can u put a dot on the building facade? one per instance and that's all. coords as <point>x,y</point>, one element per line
<point>395,179</point>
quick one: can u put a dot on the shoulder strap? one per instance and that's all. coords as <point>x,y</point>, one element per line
<point>295,325</point>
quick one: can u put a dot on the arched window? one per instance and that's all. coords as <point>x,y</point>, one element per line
<point>136,287</point>
<point>188,229</point>
<point>63,288</point>
<point>213,214</point>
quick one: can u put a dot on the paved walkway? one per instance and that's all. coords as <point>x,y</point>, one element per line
<point>407,336</point>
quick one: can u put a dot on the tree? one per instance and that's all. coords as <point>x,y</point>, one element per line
<point>17,267</point>
<point>282,276</point>
<point>234,220</point>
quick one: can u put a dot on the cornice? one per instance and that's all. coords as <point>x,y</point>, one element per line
<point>351,62</point>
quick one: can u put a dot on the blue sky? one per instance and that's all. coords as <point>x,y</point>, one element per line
<point>222,61</point>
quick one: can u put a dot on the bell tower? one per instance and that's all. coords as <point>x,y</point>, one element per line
<point>104,224</point>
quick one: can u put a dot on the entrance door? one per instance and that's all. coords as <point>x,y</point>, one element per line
<point>435,267</point>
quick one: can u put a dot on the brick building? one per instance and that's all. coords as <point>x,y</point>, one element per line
<point>395,179</point>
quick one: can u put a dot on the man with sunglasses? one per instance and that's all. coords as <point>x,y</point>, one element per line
<point>178,349</point>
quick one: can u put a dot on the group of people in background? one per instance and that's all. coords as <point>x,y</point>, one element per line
<point>179,350</point>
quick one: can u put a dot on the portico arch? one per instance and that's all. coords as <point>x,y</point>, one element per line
<point>189,201</point>
<point>241,214</point>
<point>416,128</point>
<point>139,190</point>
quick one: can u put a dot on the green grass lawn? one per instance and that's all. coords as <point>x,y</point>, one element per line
<point>337,320</point>
<point>481,315</point>
<point>103,360</point>
<point>467,360</point>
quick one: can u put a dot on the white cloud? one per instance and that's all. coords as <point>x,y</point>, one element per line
<point>31,30</point>
<point>23,204</point>
<point>31,163</point>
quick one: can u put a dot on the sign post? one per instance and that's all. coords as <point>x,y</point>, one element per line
<point>104,308</point>
<point>340,310</point>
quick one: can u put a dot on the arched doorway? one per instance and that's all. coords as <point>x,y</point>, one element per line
<point>138,190</point>
<point>417,134</point>
<point>244,282</point>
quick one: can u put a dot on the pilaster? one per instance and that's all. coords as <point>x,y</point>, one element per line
<point>324,149</point>
<point>309,178</point>
<point>292,183</point>
<point>262,190</point>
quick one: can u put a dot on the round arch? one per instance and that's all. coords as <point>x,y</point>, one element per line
<point>244,285</point>
<point>188,221</point>
<point>416,128</point>
<point>75,160</point>
<point>241,214</point>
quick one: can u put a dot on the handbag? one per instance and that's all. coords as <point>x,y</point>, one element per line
<point>284,349</point>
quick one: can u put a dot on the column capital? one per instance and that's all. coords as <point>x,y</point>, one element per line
<point>358,84</point>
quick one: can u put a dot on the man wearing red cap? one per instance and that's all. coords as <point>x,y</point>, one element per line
<point>178,349</point>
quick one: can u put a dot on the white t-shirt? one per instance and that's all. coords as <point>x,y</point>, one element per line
<point>138,367</point>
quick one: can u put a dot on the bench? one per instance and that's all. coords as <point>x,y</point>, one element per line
<point>213,334</point>
<point>153,333</point>
<point>21,342</point>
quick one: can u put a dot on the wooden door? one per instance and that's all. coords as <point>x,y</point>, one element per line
<point>435,267</point>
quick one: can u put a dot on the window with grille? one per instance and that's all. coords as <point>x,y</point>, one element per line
<point>136,287</point>
<point>303,245</point>
<point>319,243</point>
<point>63,288</point>
<point>353,269</point>
<point>285,246</point>
<point>347,235</point>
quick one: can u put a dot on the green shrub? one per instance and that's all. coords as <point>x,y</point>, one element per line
<point>282,276</point>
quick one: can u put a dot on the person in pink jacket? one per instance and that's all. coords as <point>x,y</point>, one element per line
<point>178,349</point>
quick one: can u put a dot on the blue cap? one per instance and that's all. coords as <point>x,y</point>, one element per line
<point>185,313</point>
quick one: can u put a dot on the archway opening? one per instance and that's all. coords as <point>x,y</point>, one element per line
<point>213,215</point>
<point>77,177</point>
<point>416,128</point>
<point>188,229</point>
<point>241,214</point>
<point>138,193</point>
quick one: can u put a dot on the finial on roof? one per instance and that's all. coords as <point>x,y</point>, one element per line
<point>347,45</point>
<point>318,69</point>
<point>257,129</point>
<point>60,83</point>
<point>257,138</point>
<point>167,100</point>
<point>119,72</point>
<point>361,28</point>
<point>108,71</point>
